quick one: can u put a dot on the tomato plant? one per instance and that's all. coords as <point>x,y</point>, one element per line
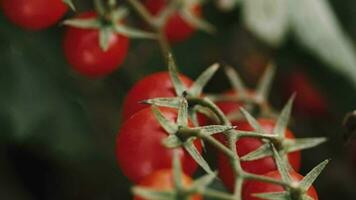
<point>176,28</point>
<point>162,180</point>
<point>84,54</point>
<point>255,187</point>
<point>155,85</point>
<point>34,14</point>
<point>247,145</point>
<point>139,147</point>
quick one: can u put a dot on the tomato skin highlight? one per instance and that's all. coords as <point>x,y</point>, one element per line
<point>155,85</point>
<point>308,101</point>
<point>253,187</point>
<point>246,145</point>
<point>163,180</point>
<point>34,14</point>
<point>176,28</point>
<point>139,148</point>
<point>84,54</point>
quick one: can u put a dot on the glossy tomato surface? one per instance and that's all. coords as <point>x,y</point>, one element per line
<point>163,180</point>
<point>176,28</point>
<point>309,100</point>
<point>34,14</point>
<point>255,187</point>
<point>139,147</point>
<point>155,85</point>
<point>83,52</point>
<point>247,145</point>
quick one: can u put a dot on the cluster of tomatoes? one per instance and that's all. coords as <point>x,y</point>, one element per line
<point>81,45</point>
<point>147,162</point>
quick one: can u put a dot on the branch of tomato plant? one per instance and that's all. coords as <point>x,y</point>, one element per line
<point>157,27</point>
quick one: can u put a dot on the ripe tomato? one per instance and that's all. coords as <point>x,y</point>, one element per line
<point>255,187</point>
<point>139,148</point>
<point>83,52</point>
<point>176,29</point>
<point>229,107</point>
<point>163,180</point>
<point>155,85</point>
<point>247,145</point>
<point>308,100</point>
<point>34,14</point>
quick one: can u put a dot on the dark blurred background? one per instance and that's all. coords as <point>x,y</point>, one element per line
<point>58,128</point>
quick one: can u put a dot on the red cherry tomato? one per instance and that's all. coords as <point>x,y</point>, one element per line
<point>155,85</point>
<point>34,14</point>
<point>255,187</point>
<point>163,180</point>
<point>83,52</point>
<point>247,145</point>
<point>139,147</point>
<point>308,100</point>
<point>176,28</point>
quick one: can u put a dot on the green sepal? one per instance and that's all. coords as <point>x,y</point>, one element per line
<point>196,89</point>
<point>149,193</point>
<point>182,119</point>
<point>91,23</point>
<point>273,195</point>
<point>261,152</point>
<point>171,102</point>
<point>197,21</point>
<point>133,33</point>
<point>194,153</point>
<point>172,141</point>
<point>265,83</point>
<point>173,72</point>
<point>104,37</point>
<point>177,171</point>
<point>213,129</point>
<point>118,14</point>
<point>291,145</point>
<point>251,120</point>
<point>69,3</point>
<point>100,7</point>
<point>282,166</point>
<point>167,125</point>
<point>236,81</point>
<point>283,119</point>
<point>309,179</point>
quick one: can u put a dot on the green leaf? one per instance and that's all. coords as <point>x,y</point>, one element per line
<point>212,129</point>
<point>172,141</point>
<point>92,23</point>
<point>171,102</point>
<point>309,179</point>
<point>177,170</point>
<point>197,87</point>
<point>267,19</point>
<point>196,21</point>
<point>173,72</point>
<point>273,195</point>
<point>318,30</point>
<point>251,120</point>
<point>265,83</point>
<point>104,37</point>
<point>134,33</point>
<point>283,118</point>
<point>148,193</point>
<point>167,125</point>
<point>282,165</point>
<point>182,119</point>
<point>261,152</point>
<point>192,150</point>
<point>69,4</point>
<point>298,144</point>
<point>236,81</point>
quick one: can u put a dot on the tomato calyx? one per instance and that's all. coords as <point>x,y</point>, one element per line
<point>108,20</point>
